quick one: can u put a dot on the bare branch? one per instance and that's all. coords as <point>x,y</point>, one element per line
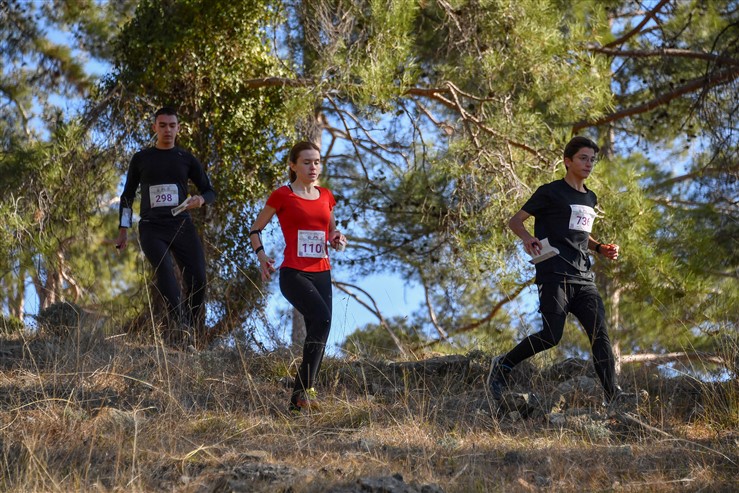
<point>505,299</point>
<point>661,359</point>
<point>375,311</point>
<point>350,138</point>
<point>650,15</point>
<point>432,314</point>
<point>434,93</point>
<point>367,133</point>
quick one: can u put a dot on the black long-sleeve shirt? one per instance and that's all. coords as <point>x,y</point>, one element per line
<point>163,176</point>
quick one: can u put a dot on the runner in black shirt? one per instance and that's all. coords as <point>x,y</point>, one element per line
<point>564,212</point>
<point>163,172</point>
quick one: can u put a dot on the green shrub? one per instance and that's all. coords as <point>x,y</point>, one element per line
<point>10,325</point>
<point>59,318</point>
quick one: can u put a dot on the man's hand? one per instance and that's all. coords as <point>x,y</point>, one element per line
<point>195,202</point>
<point>532,245</point>
<point>609,250</point>
<point>122,240</point>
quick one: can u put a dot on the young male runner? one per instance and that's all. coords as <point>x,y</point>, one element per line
<point>163,172</point>
<point>564,213</point>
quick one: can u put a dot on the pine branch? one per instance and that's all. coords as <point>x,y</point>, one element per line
<point>664,52</point>
<point>701,83</point>
<point>693,175</point>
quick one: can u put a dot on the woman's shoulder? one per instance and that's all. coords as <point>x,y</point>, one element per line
<point>279,193</point>
<point>325,191</point>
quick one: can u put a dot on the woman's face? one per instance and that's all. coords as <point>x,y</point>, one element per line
<point>308,166</point>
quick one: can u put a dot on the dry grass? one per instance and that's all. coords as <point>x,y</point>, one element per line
<point>94,414</point>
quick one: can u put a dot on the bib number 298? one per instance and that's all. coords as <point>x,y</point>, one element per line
<point>311,244</point>
<point>163,195</point>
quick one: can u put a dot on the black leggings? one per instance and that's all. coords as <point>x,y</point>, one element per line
<point>310,293</point>
<point>180,238</point>
<point>582,300</point>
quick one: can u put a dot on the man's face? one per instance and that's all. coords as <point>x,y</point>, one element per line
<point>582,163</point>
<point>166,128</point>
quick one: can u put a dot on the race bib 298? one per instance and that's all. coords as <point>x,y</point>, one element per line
<point>164,195</point>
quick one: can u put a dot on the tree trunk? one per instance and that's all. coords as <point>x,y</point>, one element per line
<point>614,321</point>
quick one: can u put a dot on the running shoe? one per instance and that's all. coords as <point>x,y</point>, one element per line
<point>625,402</point>
<point>306,399</point>
<point>498,378</point>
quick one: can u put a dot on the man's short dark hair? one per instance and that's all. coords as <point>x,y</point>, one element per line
<point>577,143</point>
<point>165,110</point>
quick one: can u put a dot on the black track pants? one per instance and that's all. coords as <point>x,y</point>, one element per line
<point>180,238</point>
<point>556,300</point>
<point>310,293</point>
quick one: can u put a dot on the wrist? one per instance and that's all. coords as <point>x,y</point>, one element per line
<point>597,247</point>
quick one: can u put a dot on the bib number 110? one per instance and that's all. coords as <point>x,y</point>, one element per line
<point>311,244</point>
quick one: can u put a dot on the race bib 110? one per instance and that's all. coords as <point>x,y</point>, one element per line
<point>311,244</point>
<point>582,218</point>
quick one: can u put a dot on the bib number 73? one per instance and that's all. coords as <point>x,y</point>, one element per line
<point>582,218</point>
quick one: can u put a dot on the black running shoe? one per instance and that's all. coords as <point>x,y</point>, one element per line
<point>498,378</point>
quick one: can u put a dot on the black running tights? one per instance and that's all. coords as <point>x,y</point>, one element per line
<point>310,293</point>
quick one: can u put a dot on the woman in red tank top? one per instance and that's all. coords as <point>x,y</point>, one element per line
<point>305,212</point>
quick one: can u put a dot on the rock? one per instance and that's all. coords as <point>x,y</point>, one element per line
<point>255,455</point>
<point>385,484</point>
<point>586,424</point>
<point>578,392</point>
<point>526,405</point>
<point>568,369</point>
<point>110,419</point>
<point>513,458</point>
<point>249,478</point>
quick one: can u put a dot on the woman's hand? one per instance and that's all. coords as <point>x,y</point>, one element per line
<point>266,266</point>
<point>337,240</point>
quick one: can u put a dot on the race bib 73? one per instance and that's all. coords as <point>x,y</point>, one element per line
<point>581,218</point>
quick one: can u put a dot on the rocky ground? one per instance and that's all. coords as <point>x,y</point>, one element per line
<point>104,414</point>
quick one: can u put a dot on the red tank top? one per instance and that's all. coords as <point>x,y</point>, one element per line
<point>304,225</point>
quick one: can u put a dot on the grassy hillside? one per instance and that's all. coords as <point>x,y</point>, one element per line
<point>89,413</point>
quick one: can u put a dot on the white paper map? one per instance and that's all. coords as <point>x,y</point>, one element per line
<point>547,251</point>
<point>181,207</point>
